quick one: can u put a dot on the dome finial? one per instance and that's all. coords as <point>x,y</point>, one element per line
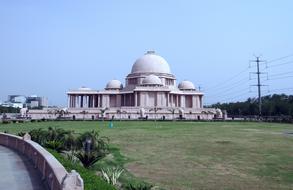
<point>151,52</point>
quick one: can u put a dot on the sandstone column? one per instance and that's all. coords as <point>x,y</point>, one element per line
<point>135,99</point>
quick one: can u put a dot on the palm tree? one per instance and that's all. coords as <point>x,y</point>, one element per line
<point>172,110</point>
<point>84,112</point>
<point>69,140</point>
<point>39,136</point>
<point>103,111</point>
<point>181,113</point>
<point>65,111</point>
<point>120,112</point>
<point>56,112</point>
<point>155,109</point>
<point>207,113</point>
<point>49,112</point>
<point>59,112</point>
<point>54,138</point>
<point>142,112</point>
<point>93,148</point>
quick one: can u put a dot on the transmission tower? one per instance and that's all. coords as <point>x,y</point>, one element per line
<point>259,85</point>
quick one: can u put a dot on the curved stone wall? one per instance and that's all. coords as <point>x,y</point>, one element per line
<point>53,173</point>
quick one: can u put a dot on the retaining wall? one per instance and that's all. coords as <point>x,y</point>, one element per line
<point>53,173</point>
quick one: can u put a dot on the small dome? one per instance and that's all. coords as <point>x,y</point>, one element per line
<point>152,80</point>
<point>186,85</point>
<point>114,84</point>
<point>84,89</point>
<point>151,63</point>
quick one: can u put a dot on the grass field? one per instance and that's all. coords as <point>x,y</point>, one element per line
<point>197,155</point>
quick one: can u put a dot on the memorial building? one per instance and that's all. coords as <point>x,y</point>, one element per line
<point>150,91</point>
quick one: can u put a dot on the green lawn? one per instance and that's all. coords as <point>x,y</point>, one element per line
<point>197,155</point>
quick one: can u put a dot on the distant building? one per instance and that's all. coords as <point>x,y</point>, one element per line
<point>10,104</point>
<point>36,102</point>
<point>17,99</point>
<point>11,97</point>
<point>21,101</point>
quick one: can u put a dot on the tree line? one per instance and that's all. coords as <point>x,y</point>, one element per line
<point>272,105</point>
<point>4,109</point>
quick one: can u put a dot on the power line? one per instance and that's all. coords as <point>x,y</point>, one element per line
<point>234,97</point>
<point>279,89</point>
<point>274,76</point>
<point>230,87</point>
<point>238,91</point>
<point>227,94</point>
<point>280,58</point>
<point>278,74</point>
<point>224,86</point>
<point>280,64</point>
<point>220,84</point>
<point>277,78</point>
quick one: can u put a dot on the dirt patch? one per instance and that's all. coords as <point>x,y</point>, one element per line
<point>223,142</point>
<point>221,169</point>
<point>218,176</point>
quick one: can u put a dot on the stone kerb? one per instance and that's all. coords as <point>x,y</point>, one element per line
<point>53,173</point>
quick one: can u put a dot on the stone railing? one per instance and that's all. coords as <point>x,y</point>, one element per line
<point>53,173</point>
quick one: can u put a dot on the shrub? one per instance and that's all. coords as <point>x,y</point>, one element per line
<point>21,134</point>
<point>70,155</point>
<point>39,136</point>
<point>88,147</point>
<point>140,186</point>
<point>90,179</point>
<point>91,141</point>
<point>54,138</point>
<point>69,141</point>
<point>88,158</point>
<point>92,148</point>
<point>111,175</point>
<point>55,145</point>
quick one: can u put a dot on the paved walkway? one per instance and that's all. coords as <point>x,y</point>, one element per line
<point>17,172</point>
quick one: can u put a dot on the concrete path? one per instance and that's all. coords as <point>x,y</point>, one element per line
<point>17,172</point>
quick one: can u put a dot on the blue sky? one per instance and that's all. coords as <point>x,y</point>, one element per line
<point>48,47</point>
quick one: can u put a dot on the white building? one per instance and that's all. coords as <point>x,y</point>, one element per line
<point>150,92</point>
<point>35,101</point>
<point>17,99</point>
<point>13,105</point>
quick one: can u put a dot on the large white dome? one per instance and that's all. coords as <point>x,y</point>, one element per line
<point>151,63</point>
